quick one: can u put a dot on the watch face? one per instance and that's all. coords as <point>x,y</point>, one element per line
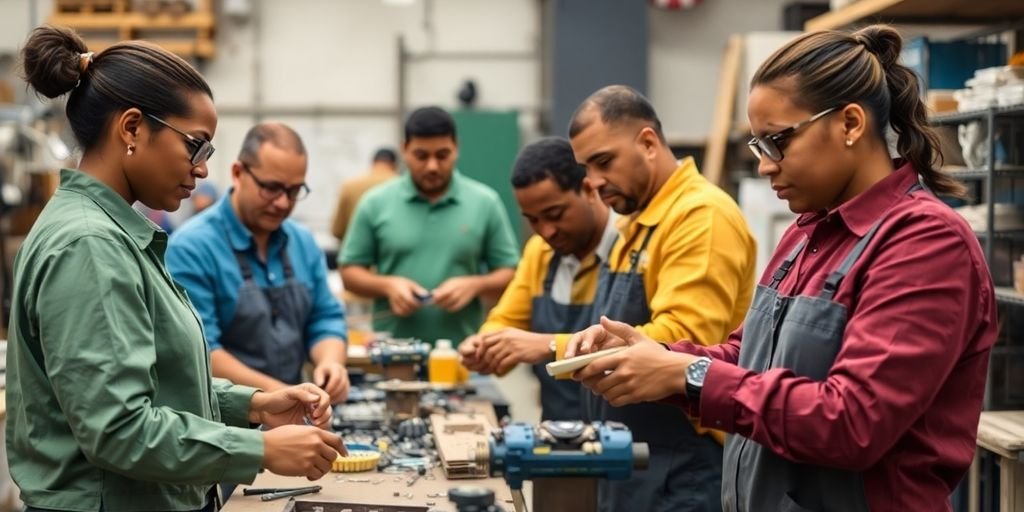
<point>697,370</point>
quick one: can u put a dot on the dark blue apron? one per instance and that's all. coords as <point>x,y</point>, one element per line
<point>560,399</point>
<point>685,469</point>
<point>267,332</point>
<point>803,334</point>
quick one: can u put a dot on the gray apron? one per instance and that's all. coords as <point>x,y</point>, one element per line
<point>685,469</point>
<point>803,334</point>
<point>268,330</point>
<point>560,399</point>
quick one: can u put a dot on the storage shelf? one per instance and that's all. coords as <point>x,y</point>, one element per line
<point>964,173</point>
<point>1002,235</point>
<point>1008,295</point>
<point>133,21</point>
<point>975,115</point>
<point>975,12</point>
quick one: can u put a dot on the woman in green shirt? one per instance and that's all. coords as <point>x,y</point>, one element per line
<point>111,405</point>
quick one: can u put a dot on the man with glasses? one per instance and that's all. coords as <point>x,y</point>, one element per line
<point>257,279</point>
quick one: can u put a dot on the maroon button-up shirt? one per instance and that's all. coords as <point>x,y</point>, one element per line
<point>902,400</point>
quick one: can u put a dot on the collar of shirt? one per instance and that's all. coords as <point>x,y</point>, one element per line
<point>450,196</point>
<point>569,265</point>
<point>239,235</point>
<point>661,203</point>
<point>861,212</point>
<point>608,238</point>
<point>142,230</point>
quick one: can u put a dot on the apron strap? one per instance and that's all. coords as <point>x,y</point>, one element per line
<point>549,279</point>
<point>243,264</point>
<point>784,267</point>
<point>828,291</point>
<point>634,257</point>
<point>286,262</point>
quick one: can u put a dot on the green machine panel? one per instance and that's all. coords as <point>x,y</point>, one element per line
<point>488,144</point>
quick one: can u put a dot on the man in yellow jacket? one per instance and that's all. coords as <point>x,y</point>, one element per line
<point>683,267</point>
<point>552,291</point>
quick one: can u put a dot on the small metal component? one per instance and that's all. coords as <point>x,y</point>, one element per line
<point>431,503</point>
<point>408,495</point>
<point>396,494</point>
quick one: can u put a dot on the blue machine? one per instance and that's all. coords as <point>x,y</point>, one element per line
<point>399,351</point>
<point>521,452</point>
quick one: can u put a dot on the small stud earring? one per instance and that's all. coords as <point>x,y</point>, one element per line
<point>131,150</point>
<point>849,143</point>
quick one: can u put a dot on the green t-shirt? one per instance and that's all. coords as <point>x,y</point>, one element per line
<point>398,231</point>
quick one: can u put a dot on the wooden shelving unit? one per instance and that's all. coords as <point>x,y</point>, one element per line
<point>974,12</point>
<point>190,35</point>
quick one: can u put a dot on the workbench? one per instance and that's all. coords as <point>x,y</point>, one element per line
<point>1002,433</point>
<point>379,488</point>
<point>338,487</point>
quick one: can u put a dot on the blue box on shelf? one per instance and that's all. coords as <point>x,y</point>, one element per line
<point>947,65</point>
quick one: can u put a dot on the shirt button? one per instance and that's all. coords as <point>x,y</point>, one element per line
<point>814,250</point>
<point>718,423</point>
<point>271,276</point>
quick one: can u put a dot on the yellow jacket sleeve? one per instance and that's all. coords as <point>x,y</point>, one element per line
<point>516,304</point>
<point>700,288</point>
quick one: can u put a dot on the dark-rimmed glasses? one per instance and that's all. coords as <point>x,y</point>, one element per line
<point>202,150</point>
<point>770,145</point>
<point>270,191</point>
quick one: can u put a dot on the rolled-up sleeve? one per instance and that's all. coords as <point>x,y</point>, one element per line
<point>908,330</point>
<point>100,353</point>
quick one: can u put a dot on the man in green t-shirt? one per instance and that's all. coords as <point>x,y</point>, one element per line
<point>428,244</point>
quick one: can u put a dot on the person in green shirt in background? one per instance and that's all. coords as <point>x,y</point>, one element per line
<point>111,405</point>
<point>438,240</point>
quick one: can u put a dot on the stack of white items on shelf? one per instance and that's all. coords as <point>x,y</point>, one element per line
<point>1008,217</point>
<point>992,87</point>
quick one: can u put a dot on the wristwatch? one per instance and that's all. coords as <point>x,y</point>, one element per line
<point>695,374</point>
<point>553,346</point>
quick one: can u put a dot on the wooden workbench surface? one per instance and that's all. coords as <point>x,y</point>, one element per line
<point>381,488</point>
<point>369,493</point>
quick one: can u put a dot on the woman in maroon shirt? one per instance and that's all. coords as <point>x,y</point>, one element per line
<point>856,380</point>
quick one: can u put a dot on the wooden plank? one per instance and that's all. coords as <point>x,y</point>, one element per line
<point>1011,485</point>
<point>979,11</point>
<point>721,122</point>
<point>1002,432</point>
<point>133,20</point>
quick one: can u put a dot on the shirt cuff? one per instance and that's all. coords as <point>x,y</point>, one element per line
<point>246,448</point>
<point>717,407</point>
<point>235,403</point>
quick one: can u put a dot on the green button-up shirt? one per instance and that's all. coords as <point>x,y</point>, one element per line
<point>466,232</point>
<point>110,401</point>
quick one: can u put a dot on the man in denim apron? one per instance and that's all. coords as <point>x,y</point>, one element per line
<point>259,280</point>
<point>552,292</point>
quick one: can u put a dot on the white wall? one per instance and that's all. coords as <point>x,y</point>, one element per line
<point>330,69</point>
<point>686,49</point>
<point>340,57</point>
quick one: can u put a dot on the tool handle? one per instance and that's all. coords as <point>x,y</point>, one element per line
<point>290,492</point>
